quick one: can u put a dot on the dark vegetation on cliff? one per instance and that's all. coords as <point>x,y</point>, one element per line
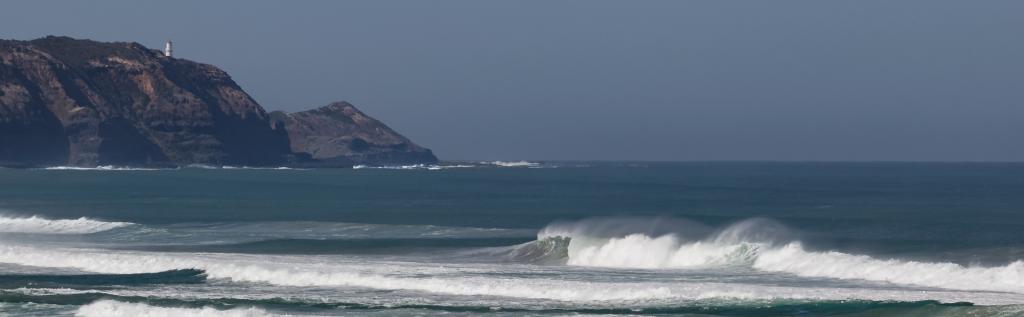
<point>66,101</point>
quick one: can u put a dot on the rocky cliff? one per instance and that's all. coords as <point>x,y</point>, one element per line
<point>65,101</point>
<point>339,131</point>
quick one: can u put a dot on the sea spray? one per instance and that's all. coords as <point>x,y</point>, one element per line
<point>764,245</point>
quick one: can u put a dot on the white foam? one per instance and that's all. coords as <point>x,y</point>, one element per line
<point>753,243</point>
<point>294,271</point>
<point>430,167</point>
<point>36,224</point>
<point>512,163</point>
<point>640,251</point>
<point>228,167</point>
<point>110,308</point>
<point>792,258</point>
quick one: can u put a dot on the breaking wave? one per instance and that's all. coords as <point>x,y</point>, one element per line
<point>35,224</point>
<point>431,167</point>
<point>649,243</point>
<point>110,308</point>
<point>761,244</point>
<point>312,271</point>
<point>512,163</point>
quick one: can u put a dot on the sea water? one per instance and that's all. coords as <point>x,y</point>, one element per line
<point>516,239</point>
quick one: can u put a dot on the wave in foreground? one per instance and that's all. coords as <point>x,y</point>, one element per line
<point>291,271</point>
<point>126,307</point>
<point>108,304</point>
<point>35,224</point>
<point>761,244</point>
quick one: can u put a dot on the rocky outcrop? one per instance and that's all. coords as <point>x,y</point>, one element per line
<point>340,132</point>
<point>66,101</point>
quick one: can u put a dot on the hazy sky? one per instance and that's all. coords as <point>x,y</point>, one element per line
<point>611,80</point>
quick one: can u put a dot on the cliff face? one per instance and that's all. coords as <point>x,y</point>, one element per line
<point>339,131</point>
<point>76,102</point>
<point>79,102</point>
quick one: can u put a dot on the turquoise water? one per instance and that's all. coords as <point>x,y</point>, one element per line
<point>556,238</point>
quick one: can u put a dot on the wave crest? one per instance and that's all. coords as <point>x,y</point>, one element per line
<point>35,224</point>
<point>760,244</point>
<point>512,163</point>
<point>792,258</point>
<point>639,242</point>
<point>301,272</point>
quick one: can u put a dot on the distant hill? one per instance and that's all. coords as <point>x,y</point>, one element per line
<point>67,101</point>
<point>339,130</point>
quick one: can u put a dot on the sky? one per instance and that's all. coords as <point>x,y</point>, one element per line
<point>865,80</point>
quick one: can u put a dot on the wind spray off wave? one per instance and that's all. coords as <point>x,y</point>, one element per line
<point>760,244</point>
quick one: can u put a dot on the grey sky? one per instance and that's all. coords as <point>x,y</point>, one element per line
<point>612,80</point>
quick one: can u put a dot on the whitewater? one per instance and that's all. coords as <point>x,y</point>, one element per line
<point>35,224</point>
<point>745,244</point>
<point>486,239</point>
<point>756,243</point>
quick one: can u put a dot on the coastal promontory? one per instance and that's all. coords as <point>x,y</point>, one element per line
<point>66,101</point>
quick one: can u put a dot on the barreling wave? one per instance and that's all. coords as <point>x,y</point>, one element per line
<point>761,244</point>
<point>35,224</point>
<point>553,250</point>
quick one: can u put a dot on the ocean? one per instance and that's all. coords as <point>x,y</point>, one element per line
<point>516,239</point>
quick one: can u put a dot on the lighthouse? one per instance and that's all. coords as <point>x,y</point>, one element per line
<point>167,49</point>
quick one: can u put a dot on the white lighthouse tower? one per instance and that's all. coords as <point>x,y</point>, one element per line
<point>167,49</point>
